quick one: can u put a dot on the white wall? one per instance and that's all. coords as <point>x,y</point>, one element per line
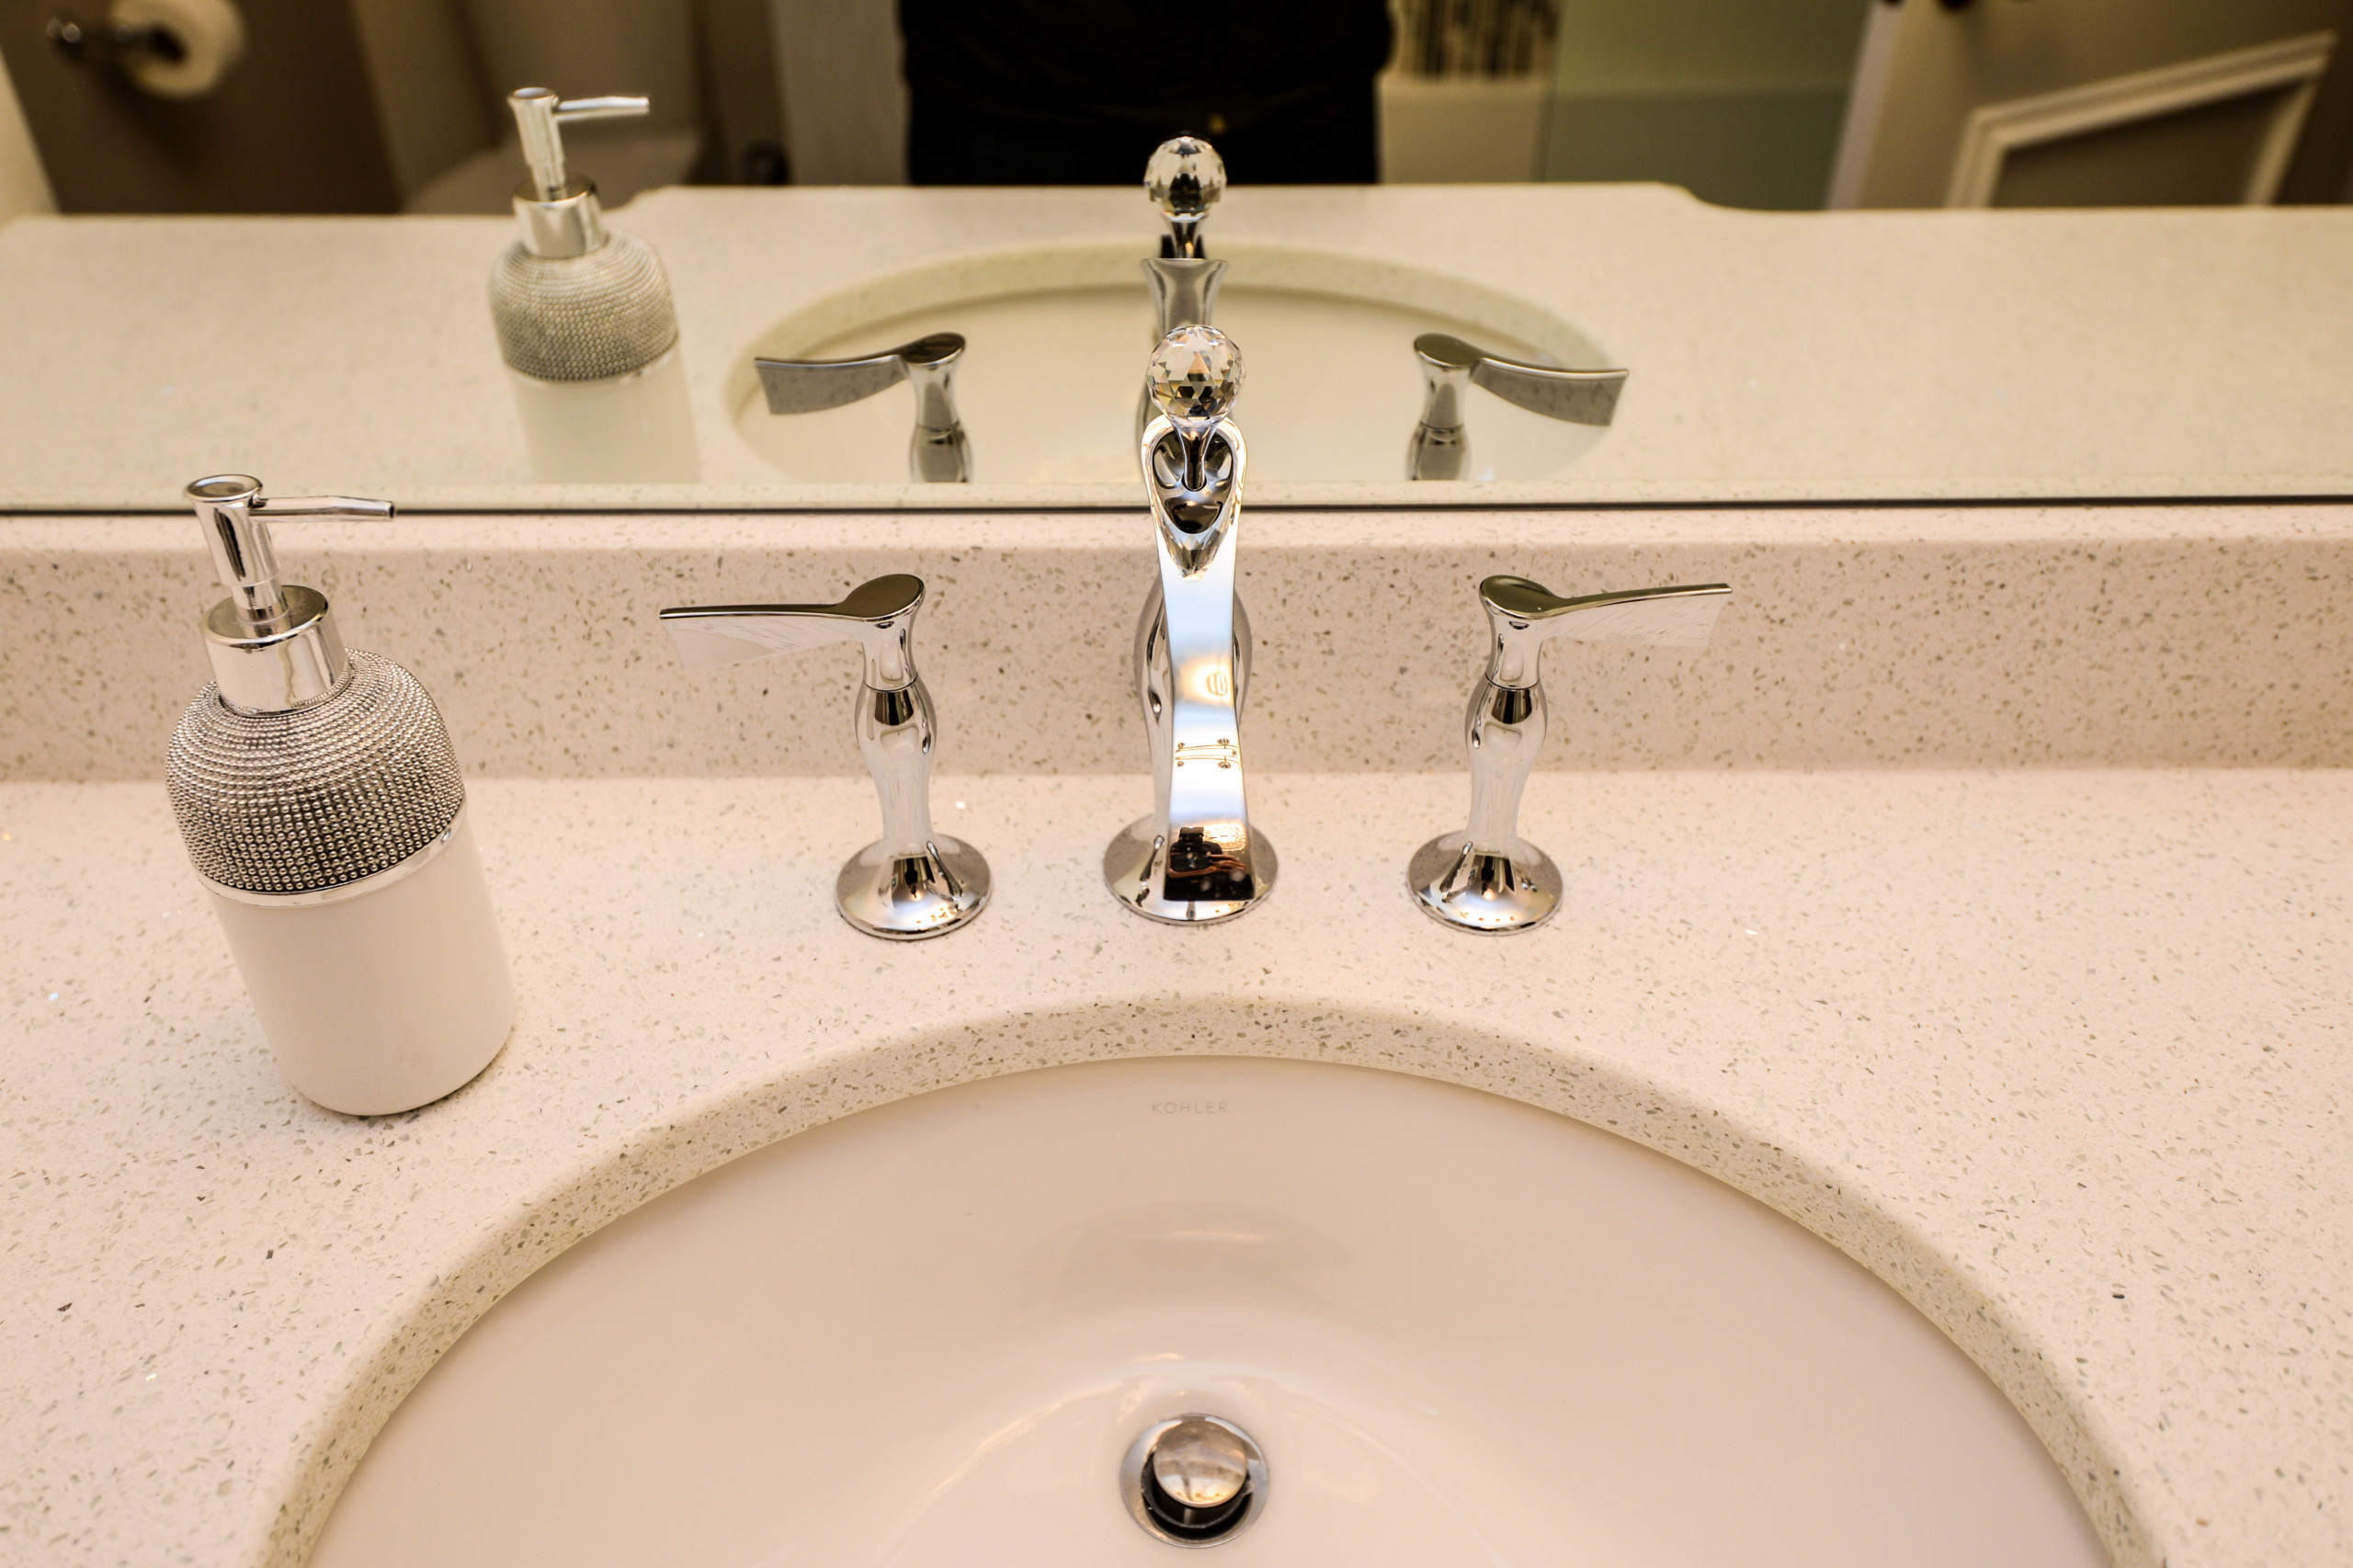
<point>23,186</point>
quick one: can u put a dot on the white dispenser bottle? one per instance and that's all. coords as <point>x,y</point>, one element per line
<point>585,321</point>
<point>322,803</point>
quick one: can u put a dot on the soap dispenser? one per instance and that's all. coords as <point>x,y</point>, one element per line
<point>322,803</point>
<point>585,321</point>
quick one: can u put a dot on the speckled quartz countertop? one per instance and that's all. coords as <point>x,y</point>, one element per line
<point>1785,357</point>
<point>2061,1055</point>
<point>1998,927</point>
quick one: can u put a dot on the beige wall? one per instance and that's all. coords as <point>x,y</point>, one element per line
<point>429,97</point>
<point>1619,44</point>
<point>1739,101</point>
<point>844,103</point>
<point>23,186</point>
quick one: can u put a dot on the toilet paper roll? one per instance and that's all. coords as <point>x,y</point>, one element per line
<point>211,35</point>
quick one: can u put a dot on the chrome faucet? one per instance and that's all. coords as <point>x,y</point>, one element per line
<point>1451,368</point>
<point>1487,878</point>
<point>1196,858</point>
<point>939,451</point>
<point>1184,178</point>
<point>913,881</point>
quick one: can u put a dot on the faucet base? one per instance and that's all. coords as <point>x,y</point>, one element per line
<point>1479,890</point>
<point>904,898</point>
<point>1132,870</point>
<point>1437,451</point>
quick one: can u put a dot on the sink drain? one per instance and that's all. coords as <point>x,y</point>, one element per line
<point>1194,1481</point>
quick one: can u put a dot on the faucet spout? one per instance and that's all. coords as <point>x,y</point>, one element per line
<point>1208,820</point>
<point>1183,289</point>
<point>1196,858</point>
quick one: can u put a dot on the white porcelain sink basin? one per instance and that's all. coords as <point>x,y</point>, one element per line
<point>1056,340</point>
<point>1463,1331</point>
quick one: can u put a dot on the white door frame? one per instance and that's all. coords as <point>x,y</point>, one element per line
<point>1996,130</point>
<point>1857,136</point>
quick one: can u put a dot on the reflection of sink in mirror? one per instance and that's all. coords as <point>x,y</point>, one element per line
<point>1462,1330</point>
<point>1047,388</point>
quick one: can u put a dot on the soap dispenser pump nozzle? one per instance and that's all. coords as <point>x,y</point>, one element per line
<point>273,645</point>
<point>561,215</point>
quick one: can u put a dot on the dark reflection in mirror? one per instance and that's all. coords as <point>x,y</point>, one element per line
<point>386,106</point>
<point>1079,92</point>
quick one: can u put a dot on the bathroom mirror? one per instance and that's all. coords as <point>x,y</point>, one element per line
<point>277,218</point>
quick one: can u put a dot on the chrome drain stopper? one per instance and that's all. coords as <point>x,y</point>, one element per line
<point>1194,1481</point>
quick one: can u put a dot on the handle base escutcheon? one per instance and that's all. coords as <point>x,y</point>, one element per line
<point>1203,881</point>
<point>1484,890</point>
<point>905,898</point>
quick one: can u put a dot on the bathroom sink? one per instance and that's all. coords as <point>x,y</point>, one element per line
<point>1056,344</point>
<point>1459,1330</point>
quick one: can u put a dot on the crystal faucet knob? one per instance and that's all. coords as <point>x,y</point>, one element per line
<point>1194,376</point>
<point>1185,177</point>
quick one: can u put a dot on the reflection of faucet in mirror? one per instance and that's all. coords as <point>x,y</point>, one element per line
<point>1451,368</point>
<point>1196,858</point>
<point>1184,178</point>
<point>939,451</point>
<point>1487,878</point>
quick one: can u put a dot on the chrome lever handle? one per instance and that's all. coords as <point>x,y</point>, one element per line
<point>1487,878</point>
<point>1522,616</point>
<point>913,881</point>
<point>1442,447</point>
<point>878,616</point>
<point>938,453</point>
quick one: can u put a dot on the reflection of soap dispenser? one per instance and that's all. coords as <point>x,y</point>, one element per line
<point>585,322</point>
<point>322,803</point>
